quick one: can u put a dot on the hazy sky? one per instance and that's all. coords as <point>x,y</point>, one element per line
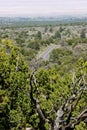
<point>42,7</point>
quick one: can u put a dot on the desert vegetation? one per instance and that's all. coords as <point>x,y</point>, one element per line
<point>43,94</point>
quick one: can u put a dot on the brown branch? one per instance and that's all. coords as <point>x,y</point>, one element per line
<point>81,117</point>
<point>36,102</point>
<point>39,110</point>
<point>78,98</point>
<point>31,89</point>
<point>73,106</point>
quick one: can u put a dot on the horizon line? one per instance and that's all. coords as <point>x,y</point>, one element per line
<point>43,15</point>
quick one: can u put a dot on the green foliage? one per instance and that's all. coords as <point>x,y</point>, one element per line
<point>55,86</point>
<point>14,76</point>
<point>55,89</point>
<point>57,35</point>
<point>34,45</point>
<point>46,29</point>
<point>17,119</point>
<point>39,35</point>
<point>73,41</point>
<point>47,42</point>
<point>83,35</point>
<point>51,29</point>
<point>28,53</point>
<point>61,29</point>
<point>4,111</point>
<point>60,56</point>
<point>81,126</point>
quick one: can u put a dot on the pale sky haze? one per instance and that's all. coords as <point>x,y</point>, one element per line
<point>42,7</point>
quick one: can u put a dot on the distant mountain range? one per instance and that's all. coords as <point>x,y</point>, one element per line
<point>79,18</point>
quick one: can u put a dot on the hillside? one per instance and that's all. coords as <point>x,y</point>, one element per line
<point>43,76</point>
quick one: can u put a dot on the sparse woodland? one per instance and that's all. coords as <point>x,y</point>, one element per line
<point>38,94</point>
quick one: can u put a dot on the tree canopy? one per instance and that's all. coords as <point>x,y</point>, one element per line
<point>45,99</point>
<point>14,75</point>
